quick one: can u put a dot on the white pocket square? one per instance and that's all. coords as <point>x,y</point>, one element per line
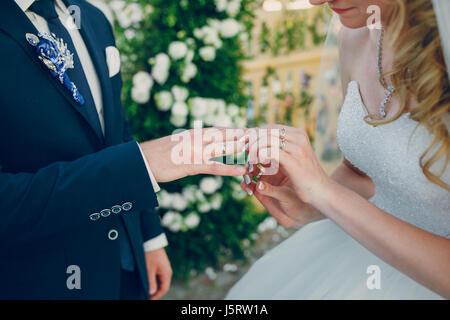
<point>112,60</point>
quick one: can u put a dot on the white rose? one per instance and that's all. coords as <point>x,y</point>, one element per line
<point>134,12</point>
<point>160,70</point>
<point>198,33</point>
<point>180,109</point>
<point>168,218</point>
<point>232,110</point>
<point>221,5</point>
<point>164,199</point>
<point>177,50</point>
<point>208,53</point>
<point>143,79</point>
<point>189,72</point>
<point>209,185</point>
<point>178,121</point>
<point>221,106</point>
<point>200,196</point>
<point>178,202</point>
<point>198,107</point>
<point>204,207</point>
<point>240,122</point>
<point>189,193</point>
<point>222,120</point>
<point>180,93</point>
<point>192,220</point>
<point>215,24</point>
<point>233,8</point>
<point>129,34</point>
<point>163,100</point>
<point>216,201</point>
<point>189,56</point>
<point>140,94</point>
<point>177,223</point>
<point>230,28</point>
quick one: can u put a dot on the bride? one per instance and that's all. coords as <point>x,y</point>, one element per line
<point>379,226</point>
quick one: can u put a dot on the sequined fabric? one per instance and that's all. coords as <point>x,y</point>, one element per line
<point>389,154</point>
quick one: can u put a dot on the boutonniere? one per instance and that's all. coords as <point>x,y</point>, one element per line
<point>57,58</point>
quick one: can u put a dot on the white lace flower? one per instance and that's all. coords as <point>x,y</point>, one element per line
<point>207,53</point>
<point>189,193</point>
<point>163,100</point>
<point>177,50</point>
<point>180,93</point>
<point>216,201</point>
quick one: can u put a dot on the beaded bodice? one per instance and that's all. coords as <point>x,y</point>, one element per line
<point>389,155</point>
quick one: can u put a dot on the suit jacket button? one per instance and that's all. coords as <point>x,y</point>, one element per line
<point>127,206</point>
<point>113,234</point>
<point>94,216</point>
<point>116,209</point>
<point>105,212</point>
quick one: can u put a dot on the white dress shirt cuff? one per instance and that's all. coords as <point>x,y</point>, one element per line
<point>155,185</point>
<point>156,243</point>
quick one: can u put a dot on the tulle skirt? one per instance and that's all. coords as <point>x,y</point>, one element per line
<point>321,261</point>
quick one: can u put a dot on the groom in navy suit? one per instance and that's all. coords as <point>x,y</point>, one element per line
<point>77,193</point>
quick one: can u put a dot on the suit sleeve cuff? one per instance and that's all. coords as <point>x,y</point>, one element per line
<point>156,243</point>
<point>155,185</point>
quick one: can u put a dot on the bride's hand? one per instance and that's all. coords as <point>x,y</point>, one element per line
<point>295,158</point>
<point>277,195</point>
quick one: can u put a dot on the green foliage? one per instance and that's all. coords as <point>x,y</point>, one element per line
<point>222,228</point>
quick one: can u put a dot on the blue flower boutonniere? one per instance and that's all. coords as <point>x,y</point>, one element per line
<point>57,58</point>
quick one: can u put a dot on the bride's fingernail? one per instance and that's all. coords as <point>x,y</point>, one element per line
<point>261,186</point>
<point>247,179</point>
<point>250,168</point>
<point>249,192</point>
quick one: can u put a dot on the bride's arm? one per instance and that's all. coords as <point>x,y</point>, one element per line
<point>421,255</point>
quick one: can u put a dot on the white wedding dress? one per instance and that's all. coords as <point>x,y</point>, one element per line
<point>321,261</point>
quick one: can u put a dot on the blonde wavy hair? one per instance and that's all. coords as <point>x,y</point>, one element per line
<point>419,71</point>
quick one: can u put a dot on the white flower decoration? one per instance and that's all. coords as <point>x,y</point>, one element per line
<point>177,50</point>
<point>192,220</point>
<point>180,93</point>
<point>163,100</point>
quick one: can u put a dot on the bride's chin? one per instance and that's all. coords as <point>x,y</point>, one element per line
<point>352,23</point>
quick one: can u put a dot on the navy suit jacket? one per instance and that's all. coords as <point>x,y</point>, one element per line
<point>57,170</point>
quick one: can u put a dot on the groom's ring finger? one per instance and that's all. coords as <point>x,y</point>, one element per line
<point>219,149</point>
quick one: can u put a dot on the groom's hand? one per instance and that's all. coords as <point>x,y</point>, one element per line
<point>189,153</point>
<point>159,273</point>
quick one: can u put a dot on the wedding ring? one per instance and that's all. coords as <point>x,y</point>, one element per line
<point>282,143</point>
<point>282,133</point>
<point>261,171</point>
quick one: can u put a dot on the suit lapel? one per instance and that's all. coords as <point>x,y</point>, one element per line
<point>14,22</point>
<point>96,49</point>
